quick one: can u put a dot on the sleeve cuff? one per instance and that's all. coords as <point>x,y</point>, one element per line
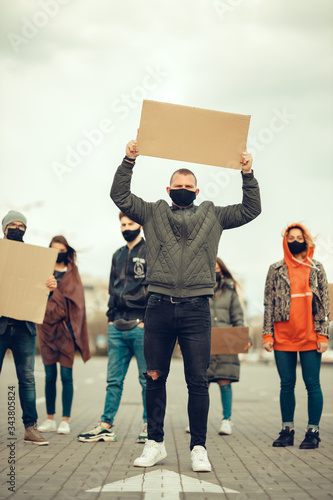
<point>248,175</point>
<point>267,338</point>
<point>322,338</point>
<point>129,160</point>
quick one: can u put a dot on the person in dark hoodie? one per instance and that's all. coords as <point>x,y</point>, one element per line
<point>63,332</point>
<point>296,321</point>
<point>20,338</point>
<point>126,310</point>
<point>182,242</point>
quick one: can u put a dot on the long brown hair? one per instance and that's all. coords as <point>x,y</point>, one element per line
<point>71,259</point>
<point>226,274</point>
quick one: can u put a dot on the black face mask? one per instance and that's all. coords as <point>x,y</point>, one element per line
<point>62,257</point>
<point>218,277</point>
<point>15,234</point>
<point>296,247</point>
<point>131,235</point>
<point>182,197</point>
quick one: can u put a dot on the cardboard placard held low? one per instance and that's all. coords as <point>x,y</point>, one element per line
<point>24,270</point>
<point>330,290</point>
<point>194,135</point>
<point>229,340</point>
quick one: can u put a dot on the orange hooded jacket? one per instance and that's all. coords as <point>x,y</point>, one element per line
<point>298,333</point>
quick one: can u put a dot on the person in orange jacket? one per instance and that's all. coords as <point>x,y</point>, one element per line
<point>296,320</point>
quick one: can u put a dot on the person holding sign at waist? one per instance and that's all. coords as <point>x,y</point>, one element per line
<point>226,311</point>
<point>20,337</point>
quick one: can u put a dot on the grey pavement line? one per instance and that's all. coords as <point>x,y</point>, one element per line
<point>72,473</point>
<point>199,476</point>
<point>271,459</point>
<point>35,473</point>
<point>26,450</point>
<point>123,441</point>
<point>262,490</point>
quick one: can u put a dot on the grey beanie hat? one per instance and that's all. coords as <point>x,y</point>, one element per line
<point>13,216</point>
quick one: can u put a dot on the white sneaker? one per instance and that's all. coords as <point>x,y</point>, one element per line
<point>47,426</point>
<point>153,452</point>
<point>199,459</point>
<point>225,427</point>
<point>64,428</point>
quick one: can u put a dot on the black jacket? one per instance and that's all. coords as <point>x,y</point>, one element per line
<point>127,286</point>
<point>31,327</point>
<point>182,243</point>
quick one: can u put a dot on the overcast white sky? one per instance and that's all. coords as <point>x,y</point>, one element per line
<point>69,67</point>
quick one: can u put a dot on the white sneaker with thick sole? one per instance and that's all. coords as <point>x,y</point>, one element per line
<point>199,459</point>
<point>98,433</point>
<point>153,452</point>
<point>64,428</point>
<point>47,426</point>
<point>225,428</point>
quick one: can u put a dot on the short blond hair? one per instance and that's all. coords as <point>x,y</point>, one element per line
<point>184,171</point>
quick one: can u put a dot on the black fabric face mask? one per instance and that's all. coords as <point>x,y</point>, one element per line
<point>15,234</point>
<point>296,247</point>
<point>62,257</point>
<point>182,197</point>
<point>131,235</point>
<point>218,277</point>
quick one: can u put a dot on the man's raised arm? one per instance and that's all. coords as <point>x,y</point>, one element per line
<point>242,213</point>
<point>132,206</point>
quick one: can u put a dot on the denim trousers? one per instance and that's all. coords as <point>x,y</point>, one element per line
<point>22,344</point>
<point>226,397</point>
<point>286,362</point>
<point>66,375</point>
<point>190,323</point>
<point>122,346</point>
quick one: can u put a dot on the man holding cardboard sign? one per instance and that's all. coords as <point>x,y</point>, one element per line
<point>181,243</point>
<point>20,337</point>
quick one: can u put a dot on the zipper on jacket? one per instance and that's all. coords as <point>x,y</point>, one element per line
<point>126,276</point>
<point>181,270</point>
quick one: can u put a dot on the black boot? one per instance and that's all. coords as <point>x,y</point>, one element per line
<point>286,438</point>
<point>311,440</point>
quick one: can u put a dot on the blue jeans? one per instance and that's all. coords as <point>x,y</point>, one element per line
<point>122,346</point>
<point>286,362</point>
<point>51,389</point>
<point>190,323</point>
<point>22,344</point>
<point>226,397</point>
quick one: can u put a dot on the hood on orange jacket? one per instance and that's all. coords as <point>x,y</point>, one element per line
<point>289,258</point>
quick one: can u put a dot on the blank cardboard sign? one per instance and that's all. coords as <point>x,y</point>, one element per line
<point>192,134</point>
<point>24,270</point>
<point>229,340</point>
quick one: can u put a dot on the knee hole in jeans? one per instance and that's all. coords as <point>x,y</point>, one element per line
<point>153,374</point>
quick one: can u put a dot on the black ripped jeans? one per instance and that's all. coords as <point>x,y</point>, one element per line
<point>190,323</point>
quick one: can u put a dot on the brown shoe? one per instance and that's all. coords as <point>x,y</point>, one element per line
<point>33,436</point>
